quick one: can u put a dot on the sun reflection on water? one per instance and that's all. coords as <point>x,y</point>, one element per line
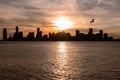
<point>62,60</point>
<point>62,47</point>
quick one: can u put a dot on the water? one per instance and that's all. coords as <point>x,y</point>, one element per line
<point>59,60</point>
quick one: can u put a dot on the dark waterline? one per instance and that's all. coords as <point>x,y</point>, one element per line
<point>62,60</point>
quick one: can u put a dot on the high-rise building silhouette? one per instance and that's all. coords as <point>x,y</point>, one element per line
<point>90,35</point>
<point>30,36</point>
<point>90,31</point>
<point>77,33</point>
<point>82,37</point>
<point>18,36</point>
<point>105,36</point>
<point>39,34</point>
<point>101,35</point>
<point>4,34</point>
<point>45,37</point>
<point>52,36</point>
<point>38,30</point>
<point>17,29</point>
<point>60,36</point>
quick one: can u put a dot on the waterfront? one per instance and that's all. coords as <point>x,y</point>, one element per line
<point>59,60</point>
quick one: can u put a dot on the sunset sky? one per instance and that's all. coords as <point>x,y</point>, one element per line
<point>30,14</point>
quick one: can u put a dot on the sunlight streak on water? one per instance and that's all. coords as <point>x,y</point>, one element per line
<point>62,59</point>
<point>62,47</point>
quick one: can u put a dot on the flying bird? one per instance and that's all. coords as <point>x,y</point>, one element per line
<point>92,21</point>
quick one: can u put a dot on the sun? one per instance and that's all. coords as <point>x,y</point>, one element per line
<point>62,23</point>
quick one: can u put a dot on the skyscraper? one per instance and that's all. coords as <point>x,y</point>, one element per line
<point>30,36</point>
<point>101,35</point>
<point>16,34</point>
<point>4,34</point>
<point>39,34</point>
<point>77,33</point>
<point>90,31</point>
<point>38,30</point>
<point>17,29</point>
<point>90,35</point>
<point>105,36</point>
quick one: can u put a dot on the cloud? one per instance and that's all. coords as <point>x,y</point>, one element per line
<point>41,12</point>
<point>107,11</point>
<point>29,11</point>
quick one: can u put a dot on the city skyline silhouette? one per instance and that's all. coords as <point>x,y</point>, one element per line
<point>60,36</point>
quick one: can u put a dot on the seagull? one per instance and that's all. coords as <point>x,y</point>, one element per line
<point>93,20</point>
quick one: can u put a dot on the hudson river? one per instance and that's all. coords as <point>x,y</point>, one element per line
<point>59,60</point>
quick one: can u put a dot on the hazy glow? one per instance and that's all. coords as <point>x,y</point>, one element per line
<point>62,23</point>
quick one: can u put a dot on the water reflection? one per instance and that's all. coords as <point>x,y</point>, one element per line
<point>62,47</point>
<point>62,60</point>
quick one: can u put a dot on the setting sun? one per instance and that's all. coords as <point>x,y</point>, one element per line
<point>62,23</point>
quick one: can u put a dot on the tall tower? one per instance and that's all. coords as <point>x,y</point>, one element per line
<point>38,30</point>
<point>101,34</point>
<point>38,34</point>
<point>77,33</point>
<point>4,34</point>
<point>17,29</point>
